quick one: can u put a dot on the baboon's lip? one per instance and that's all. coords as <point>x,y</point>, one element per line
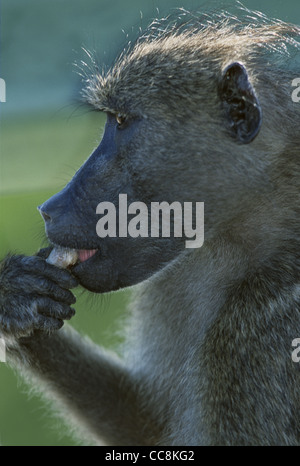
<point>66,257</point>
<point>85,254</point>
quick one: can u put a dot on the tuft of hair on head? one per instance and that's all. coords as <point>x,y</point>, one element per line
<point>175,55</point>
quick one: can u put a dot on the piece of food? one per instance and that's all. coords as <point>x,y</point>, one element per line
<point>62,257</point>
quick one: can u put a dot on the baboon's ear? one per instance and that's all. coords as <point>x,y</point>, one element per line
<point>240,103</point>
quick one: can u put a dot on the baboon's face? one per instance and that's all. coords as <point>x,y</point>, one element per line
<point>123,163</point>
<point>151,156</point>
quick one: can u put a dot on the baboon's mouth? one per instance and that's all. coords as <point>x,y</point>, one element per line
<point>66,257</point>
<point>85,254</point>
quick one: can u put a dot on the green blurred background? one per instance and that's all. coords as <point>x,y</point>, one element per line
<point>45,135</point>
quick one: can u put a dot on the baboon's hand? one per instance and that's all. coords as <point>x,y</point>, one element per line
<point>34,295</point>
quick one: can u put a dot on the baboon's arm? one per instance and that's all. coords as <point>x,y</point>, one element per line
<point>90,385</point>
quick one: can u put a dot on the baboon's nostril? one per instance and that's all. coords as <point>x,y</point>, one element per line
<point>45,216</point>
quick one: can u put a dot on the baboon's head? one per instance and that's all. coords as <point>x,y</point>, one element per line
<point>186,112</point>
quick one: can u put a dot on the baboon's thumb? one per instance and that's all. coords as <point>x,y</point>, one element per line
<point>44,252</point>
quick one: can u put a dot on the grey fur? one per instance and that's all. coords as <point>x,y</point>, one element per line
<point>208,353</point>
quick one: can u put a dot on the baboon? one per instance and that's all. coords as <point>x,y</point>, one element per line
<point>199,110</point>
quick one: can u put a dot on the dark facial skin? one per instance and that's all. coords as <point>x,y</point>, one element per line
<point>144,158</point>
<point>70,215</point>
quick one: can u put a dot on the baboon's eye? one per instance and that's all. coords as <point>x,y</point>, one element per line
<point>121,119</point>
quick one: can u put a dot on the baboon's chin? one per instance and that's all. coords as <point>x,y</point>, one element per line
<point>91,274</point>
<point>117,263</point>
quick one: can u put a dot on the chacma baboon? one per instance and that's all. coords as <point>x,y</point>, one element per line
<point>197,111</point>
